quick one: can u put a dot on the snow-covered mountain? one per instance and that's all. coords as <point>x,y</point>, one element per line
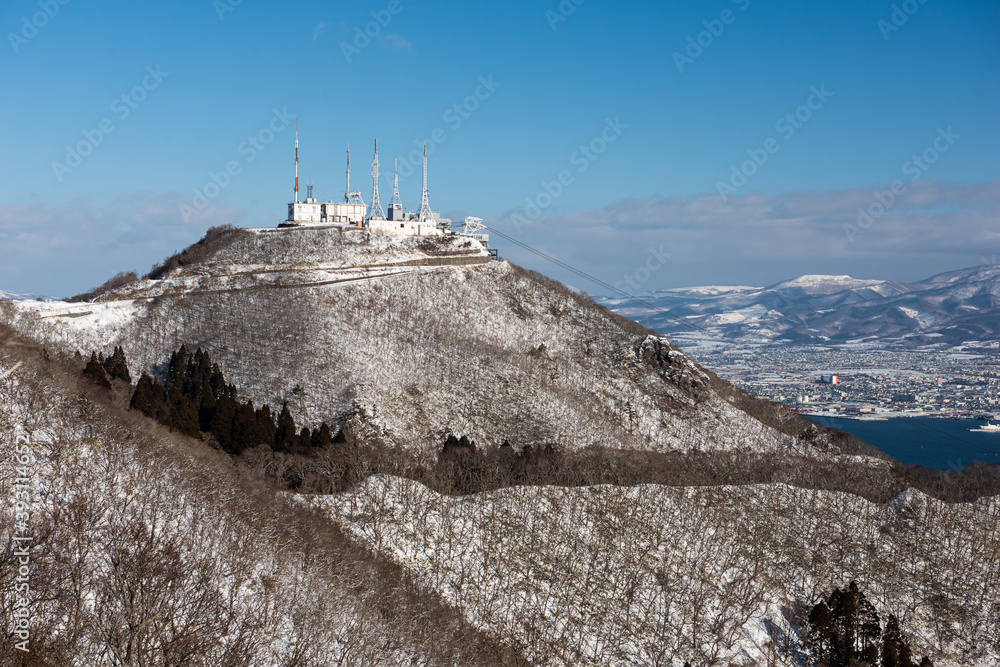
<point>423,337</point>
<point>948,309</point>
<point>618,504</point>
<point>15,296</point>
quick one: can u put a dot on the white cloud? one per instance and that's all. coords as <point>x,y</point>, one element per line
<point>67,249</point>
<point>757,238</point>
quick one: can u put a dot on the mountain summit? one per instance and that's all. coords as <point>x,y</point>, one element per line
<point>421,335</point>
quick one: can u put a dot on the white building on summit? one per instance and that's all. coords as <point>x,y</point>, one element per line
<point>353,211</point>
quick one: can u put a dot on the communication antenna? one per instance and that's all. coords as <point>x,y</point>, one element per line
<point>396,202</point>
<point>375,210</point>
<point>296,160</point>
<point>425,207</point>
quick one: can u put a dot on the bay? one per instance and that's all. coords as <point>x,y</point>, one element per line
<point>946,444</point>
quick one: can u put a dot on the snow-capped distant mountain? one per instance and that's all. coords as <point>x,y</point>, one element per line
<point>14,296</point>
<point>947,308</point>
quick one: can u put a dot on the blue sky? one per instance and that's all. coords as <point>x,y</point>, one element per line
<point>873,83</point>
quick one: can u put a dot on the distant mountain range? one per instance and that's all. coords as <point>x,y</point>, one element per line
<point>948,309</point>
<point>15,296</point>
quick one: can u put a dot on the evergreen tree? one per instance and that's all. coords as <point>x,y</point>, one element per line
<point>304,443</point>
<point>117,366</point>
<point>147,397</point>
<point>184,418</point>
<point>844,608</point>
<point>218,381</point>
<point>177,367</point>
<point>94,371</point>
<point>267,426</point>
<point>321,437</point>
<point>222,422</point>
<point>285,436</point>
<point>821,635</point>
<point>892,639</point>
<point>206,409</point>
<point>246,430</point>
<point>869,630</point>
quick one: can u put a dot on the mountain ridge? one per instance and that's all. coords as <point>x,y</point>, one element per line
<point>948,308</point>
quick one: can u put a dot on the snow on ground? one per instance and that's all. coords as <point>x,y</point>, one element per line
<point>434,349</point>
<point>80,326</point>
<point>815,282</point>
<point>167,553</point>
<point>650,574</point>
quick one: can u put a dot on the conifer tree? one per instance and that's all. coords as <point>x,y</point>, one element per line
<point>206,409</point>
<point>869,630</point>
<point>892,639</point>
<point>821,635</point>
<point>321,437</point>
<point>246,430</point>
<point>843,607</point>
<point>222,422</point>
<point>117,366</point>
<point>285,437</point>
<point>184,418</point>
<point>94,371</point>
<point>265,421</point>
<point>147,397</point>
<point>304,444</point>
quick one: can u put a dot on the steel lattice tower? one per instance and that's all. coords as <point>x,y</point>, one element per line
<point>375,209</point>
<point>347,193</point>
<point>425,207</point>
<point>396,202</point>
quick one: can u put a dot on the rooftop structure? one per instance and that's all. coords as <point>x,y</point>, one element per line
<point>354,212</point>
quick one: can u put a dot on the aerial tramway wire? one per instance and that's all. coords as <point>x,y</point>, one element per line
<point>600,282</point>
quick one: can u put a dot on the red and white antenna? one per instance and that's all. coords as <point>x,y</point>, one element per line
<point>296,160</point>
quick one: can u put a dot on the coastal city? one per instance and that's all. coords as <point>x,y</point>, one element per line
<point>865,382</point>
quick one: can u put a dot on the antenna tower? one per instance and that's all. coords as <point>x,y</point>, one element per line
<point>347,192</point>
<point>425,207</point>
<point>375,210</point>
<point>396,202</point>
